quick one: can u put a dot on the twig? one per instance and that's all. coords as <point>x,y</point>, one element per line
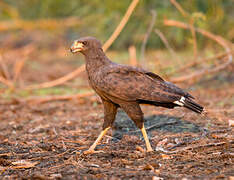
<point>121,25</point>
<point>132,55</point>
<point>179,7</point>
<point>18,66</point>
<point>6,82</point>
<point>209,35</point>
<point>216,38</point>
<point>198,146</point>
<point>165,42</point>
<point>142,56</point>
<point>193,32</point>
<point>58,81</point>
<point>193,63</point>
<point>4,68</point>
<point>75,73</point>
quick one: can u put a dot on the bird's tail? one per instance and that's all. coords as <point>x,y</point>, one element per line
<point>190,104</point>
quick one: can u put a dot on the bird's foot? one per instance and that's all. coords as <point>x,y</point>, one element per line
<point>149,150</point>
<point>92,152</point>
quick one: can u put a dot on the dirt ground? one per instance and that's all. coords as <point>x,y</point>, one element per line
<point>45,141</point>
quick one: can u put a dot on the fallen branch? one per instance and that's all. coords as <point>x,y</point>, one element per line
<point>142,57</point>
<point>106,45</point>
<point>209,35</point>
<point>58,81</point>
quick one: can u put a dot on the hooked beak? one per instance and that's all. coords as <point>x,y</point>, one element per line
<point>76,47</point>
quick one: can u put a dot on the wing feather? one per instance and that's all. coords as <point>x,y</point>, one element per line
<point>132,84</point>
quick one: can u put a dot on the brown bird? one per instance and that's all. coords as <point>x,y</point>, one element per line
<point>127,87</point>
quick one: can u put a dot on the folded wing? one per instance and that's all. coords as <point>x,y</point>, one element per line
<point>132,84</point>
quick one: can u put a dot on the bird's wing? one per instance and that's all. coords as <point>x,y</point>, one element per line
<point>169,85</point>
<point>131,84</point>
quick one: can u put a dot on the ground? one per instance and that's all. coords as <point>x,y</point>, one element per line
<point>46,140</point>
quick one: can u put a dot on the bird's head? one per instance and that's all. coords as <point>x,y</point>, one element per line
<point>85,45</point>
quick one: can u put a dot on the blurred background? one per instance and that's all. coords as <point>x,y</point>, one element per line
<point>35,37</point>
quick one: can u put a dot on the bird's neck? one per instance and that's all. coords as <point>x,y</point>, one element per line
<point>96,59</point>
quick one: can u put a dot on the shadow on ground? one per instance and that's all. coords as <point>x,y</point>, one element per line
<point>124,125</point>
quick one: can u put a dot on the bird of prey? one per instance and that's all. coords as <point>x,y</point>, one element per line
<point>127,87</point>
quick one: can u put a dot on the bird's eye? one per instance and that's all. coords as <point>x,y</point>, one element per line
<point>84,42</point>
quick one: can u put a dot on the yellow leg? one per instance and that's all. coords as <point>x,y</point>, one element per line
<point>148,146</point>
<point>91,149</point>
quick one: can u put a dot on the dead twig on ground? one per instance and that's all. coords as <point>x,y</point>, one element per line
<point>58,81</point>
<point>209,35</point>
<point>106,45</point>
<point>143,46</point>
<point>198,147</point>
